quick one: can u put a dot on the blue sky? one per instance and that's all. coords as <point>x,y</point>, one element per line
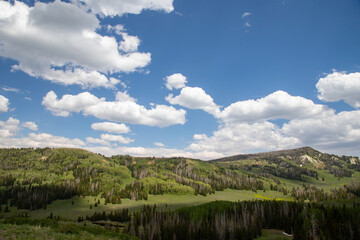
<point>202,79</point>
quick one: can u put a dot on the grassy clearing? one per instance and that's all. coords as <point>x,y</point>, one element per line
<point>81,207</point>
<point>273,234</point>
<point>330,181</point>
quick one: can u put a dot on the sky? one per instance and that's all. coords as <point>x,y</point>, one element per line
<point>202,79</point>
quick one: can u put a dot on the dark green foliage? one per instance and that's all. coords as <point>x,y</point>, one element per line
<point>67,228</point>
<point>134,191</point>
<point>245,220</point>
<point>117,216</point>
<point>7,180</point>
<point>39,176</point>
<point>36,222</point>
<point>339,171</point>
<point>204,178</point>
<point>36,197</point>
<point>313,193</point>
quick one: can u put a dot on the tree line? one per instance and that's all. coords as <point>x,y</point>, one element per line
<point>245,220</point>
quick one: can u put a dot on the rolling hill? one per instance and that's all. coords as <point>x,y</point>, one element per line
<point>74,183</point>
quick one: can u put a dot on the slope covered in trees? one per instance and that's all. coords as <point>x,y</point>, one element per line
<point>31,179</point>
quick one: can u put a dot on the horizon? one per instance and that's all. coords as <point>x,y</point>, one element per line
<point>203,80</point>
<point>204,160</point>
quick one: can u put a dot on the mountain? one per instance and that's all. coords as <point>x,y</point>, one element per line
<point>293,163</point>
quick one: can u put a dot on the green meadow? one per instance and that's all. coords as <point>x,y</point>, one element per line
<point>71,209</point>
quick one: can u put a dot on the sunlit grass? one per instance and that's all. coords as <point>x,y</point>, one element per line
<point>81,207</point>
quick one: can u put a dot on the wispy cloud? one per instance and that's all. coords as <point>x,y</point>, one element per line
<point>178,13</point>
<point>246,14</point>
<point>9,89</point>
<point>159,144</point>
<point>247,24</point>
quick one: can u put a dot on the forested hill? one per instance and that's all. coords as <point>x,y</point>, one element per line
<point>294,160</point>
<point>32,178</point>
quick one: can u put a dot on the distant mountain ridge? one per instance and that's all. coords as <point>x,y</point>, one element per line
<point>288,152</point>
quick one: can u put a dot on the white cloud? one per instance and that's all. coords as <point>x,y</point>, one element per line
<point>114,8</point>
<point>329,133</point>
<point>130,112</point>
<point>69,103</point>
<point>4,104</point>
<point>117,29</point>
<point>157,152</point>
<point>124,109</point>
<point>159,144</point>
<point>111,127</point>
<point>200,136</point>
<point>195,98</point>
<point>244,125</point>
<point>175,81</point>
<point>105,139</point>
<point>4,134</point>
<point>116,138</point>
<point>278,105</point>
<point>64,40</point>
<point>30,125</point>
<point>129,43</point>
<point>234,138</point>
<point>333,133</point>
<point>48,140</point>
<point>81,76</point>
<point>124,97</point>
<point>10,127</point>
<point>340,86</point>
<point>92,140</point>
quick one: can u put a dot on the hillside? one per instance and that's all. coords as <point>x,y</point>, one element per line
<point>76,184</point>
<point>293,164</point>
<point>74,172</point>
